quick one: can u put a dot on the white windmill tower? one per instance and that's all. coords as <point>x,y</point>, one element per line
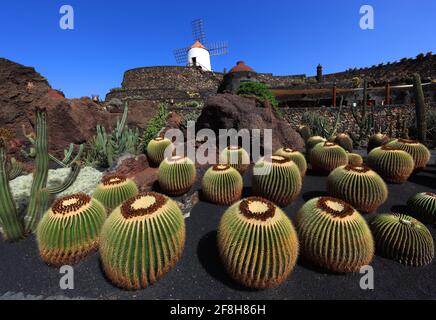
<point>199,53</point>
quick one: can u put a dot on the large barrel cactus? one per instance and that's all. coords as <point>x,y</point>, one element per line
<point>403,239</point>
<point>355,159</point>
<point>156,149</point>
<point>177,175</point>
<point>344,140</point>
<point>359,186</point>
<point>222,184</point>
<point>142,240</point>
<point>423,206</point>
<point>333,235</point>
<point>257,243</point>
<point>419,152</point>
<point>70,229</point>
<point>327,156</point>
<point>377,140</point>
<point>114,189</point>
<point>295,156</point>
<point>393,164</point>
<point>311,143</point>
<point>277,179</point>
<point>235,156</point>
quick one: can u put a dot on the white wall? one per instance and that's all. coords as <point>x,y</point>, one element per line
<point>203,58</point>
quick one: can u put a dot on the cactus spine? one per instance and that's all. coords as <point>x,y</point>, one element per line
<point>295,156</point>
<point>70,229</point>
<point>279,180</point>
<point>114,189</point>
<point>423,206</point>
<point>359,186</point>
<point>403,239</point>
<point>419,152</point>
<point>177,175</point>
<point>156,149</point>
<point>142,240</point>
<point>235,156</point>
<point>222,184</point>
<point>355,159</point>
<point>257,243</point>
<point>311,143</point>
<point>333,235</point>
<point>327,156</point>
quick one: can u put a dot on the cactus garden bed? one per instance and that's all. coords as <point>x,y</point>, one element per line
<point>200,274</point>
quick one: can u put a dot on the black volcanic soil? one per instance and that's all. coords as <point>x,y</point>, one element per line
<point>199,274</point>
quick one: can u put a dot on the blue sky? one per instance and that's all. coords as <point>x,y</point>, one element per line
<point>278,36</point>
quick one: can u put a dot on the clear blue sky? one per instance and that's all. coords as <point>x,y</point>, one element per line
<point>278,36</point>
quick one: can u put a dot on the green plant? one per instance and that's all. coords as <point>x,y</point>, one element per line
<point>419,152</point>
<point>359,186</point>
<point>403,239</point>
<point>327,156</point>
<point>364,121</point>
<point>176,175</point>
<point>114,189</point>
<point>156,149</point>
<point>311,143</point>
<point>294,155</point>
<point>257,243</point>
<point>278,179</point>
<point>261,91</point>
<point>344,140</point>
<point>70,229</point>
<point>376,140</point>
<point>142,240</point>
<point>320,125</point>
<point>235,156</point>
<point>423,206</point>
<point>420,108</point>
<point>393,164</point>
<point>222,184</point>
<point>333,235</point>
<point>305,132</point>
<point>154,126</point>
<point>15,170</point>
<point>355,159</point>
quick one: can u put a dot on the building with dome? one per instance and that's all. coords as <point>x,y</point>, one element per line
<point>237,75</point>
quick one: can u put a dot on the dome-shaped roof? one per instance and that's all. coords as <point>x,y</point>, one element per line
<point>241,67</point>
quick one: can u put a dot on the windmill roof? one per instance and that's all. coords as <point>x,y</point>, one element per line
<point>198,44</point>
<point>241,67</point>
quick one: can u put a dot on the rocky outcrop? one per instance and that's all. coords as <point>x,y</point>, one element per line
<point>226,111</point>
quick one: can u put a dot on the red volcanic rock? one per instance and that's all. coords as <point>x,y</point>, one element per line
<point>174,120</point>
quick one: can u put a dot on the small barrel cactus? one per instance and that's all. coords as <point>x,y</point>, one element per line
<point>278,180</point>
<point>419,152</point>
<point>311,143</point>
<point>304,132</point>
<point>403,239</point>
<point>423,206</point>
<point>114,189</point>
<point>344,140</point>
<point>70,229</point>
<point>333,235</point>
<point>295,156</point>
<point>393,164</point>
<point>156,149</point>
<point>222,184</point>
<point>359,186</point>
<point>377,140</point>
<point>142,240</point>
<point>177,175</point>
<point>257,243</point>
<point>355,159</point>
<point>327,156</point>
<point>235,156</point>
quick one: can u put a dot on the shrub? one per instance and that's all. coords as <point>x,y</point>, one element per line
<point>261,91</point>
<point>154,126</point>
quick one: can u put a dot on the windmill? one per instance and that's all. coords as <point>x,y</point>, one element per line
<point>200,52</point>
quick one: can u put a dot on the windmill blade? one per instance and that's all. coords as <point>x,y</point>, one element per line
<point>218,48</point>
<point>181,55</point>
<point>198,30</point>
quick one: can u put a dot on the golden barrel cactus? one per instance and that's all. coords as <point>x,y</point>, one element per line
<point>295,156</point>
<point>156,149</point>
<point>235,156</point>
<point>423,206</point>
<point>344,140</point>
<point>327,156</point>
<point>114,189</point>
<point>355,159</point>
<point>222,184</point>
<point>419,152</point>
<point>177,175</point>
<point>377,140</point>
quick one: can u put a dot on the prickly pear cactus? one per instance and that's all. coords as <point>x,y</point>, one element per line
<point>222,184</point>
<point>295,156</point>
<point>177,175</point>
<point>114,189</point>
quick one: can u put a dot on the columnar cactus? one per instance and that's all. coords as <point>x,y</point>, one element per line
<point>419,152</point>
<point>295,156</point>
<point>177,175</point>
<point>355,159</point>
<point>156,149</point>
<point>327,156</point>
<point>423,206</point>
<point>222,184</point>
<point>359,186</point>
<point>142,240</point>
<point>377,140</point>
<point>393,164</point>
<point>311,143</point>
<point>257,243</point>
<point>278,180</point>
<point>403,239</point>
<point>334,236</point>
<point>235,156</point>
<point>70,229</point>
<point>344,141</point>
<point>114,189</point>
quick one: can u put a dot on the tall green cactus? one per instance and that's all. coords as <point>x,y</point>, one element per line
<point>364,121</point>
<point>10,223</point>
<point>420,107</point>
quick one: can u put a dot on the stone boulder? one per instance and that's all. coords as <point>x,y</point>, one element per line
<point>226,111</point>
